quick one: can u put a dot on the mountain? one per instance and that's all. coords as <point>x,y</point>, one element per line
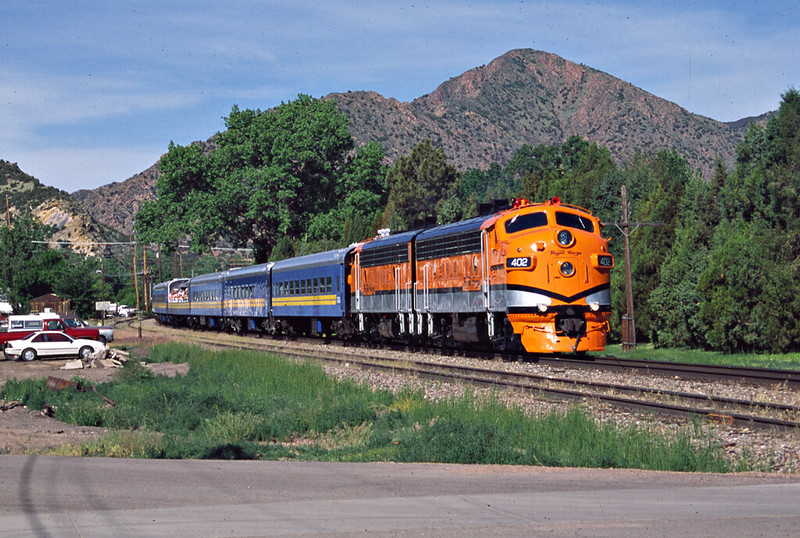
<point>116,204</point>
<point>486,114</point>
<point>53,207</point>
<point>533,97</point>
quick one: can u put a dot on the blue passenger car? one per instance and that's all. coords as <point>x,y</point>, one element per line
<point>246,297</point>
<point>309,293</point>
<point>205,294</point>
<point>158,298</point>
<point>171,301</point>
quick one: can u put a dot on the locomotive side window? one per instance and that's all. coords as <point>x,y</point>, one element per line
<point>572,220</point>
<point>525,222</point>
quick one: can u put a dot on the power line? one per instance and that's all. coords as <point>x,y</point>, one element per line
<point>131,243</point>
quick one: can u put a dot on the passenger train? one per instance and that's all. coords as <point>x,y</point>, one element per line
<point>532,276</point>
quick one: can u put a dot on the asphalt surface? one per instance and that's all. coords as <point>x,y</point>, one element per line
<point>62,496</point>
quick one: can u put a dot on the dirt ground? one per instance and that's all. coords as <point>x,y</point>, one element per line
<point>25,431</point>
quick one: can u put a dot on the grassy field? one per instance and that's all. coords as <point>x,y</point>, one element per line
<point>246,405</point>
<point>788,361</point>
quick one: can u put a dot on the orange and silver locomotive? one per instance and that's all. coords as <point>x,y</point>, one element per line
<point>532,276</point>
<point>535,276</point>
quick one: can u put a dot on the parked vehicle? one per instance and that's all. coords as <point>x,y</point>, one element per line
<point>19,326</point>
<point>106,332</point>
<point>50,344</point>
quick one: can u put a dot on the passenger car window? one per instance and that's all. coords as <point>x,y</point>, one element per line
<point>526,221</point>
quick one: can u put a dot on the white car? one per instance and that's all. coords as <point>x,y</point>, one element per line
<point>50,344</point>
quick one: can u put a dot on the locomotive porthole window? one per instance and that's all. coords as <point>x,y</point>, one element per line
<point>567,269</point>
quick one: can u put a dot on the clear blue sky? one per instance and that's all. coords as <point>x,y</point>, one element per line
<point>92,92</point>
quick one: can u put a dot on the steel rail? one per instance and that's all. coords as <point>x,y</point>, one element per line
<point>761,376</point>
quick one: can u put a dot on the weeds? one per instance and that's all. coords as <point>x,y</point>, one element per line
<point>245,405</point>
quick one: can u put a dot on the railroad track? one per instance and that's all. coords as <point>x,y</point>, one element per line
<point>729,411</point>
<point>756,376</point>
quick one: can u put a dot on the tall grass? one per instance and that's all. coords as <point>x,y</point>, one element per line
<point>239,404</point>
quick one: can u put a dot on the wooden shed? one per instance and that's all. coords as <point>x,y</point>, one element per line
<point>52,302</point>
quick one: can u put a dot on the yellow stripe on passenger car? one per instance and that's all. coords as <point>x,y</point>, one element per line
<point>305,300</point>
<point>245,303</point>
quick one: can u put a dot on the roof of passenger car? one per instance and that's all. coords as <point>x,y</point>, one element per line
<point>320,259</point>
<point>252,270</point>
<point>210,278</point>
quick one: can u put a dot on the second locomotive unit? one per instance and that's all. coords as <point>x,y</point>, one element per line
<point>535,276</point>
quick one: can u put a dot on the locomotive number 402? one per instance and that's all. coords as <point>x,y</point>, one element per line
<point>518,263</point>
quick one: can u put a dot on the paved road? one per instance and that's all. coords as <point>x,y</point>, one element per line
<point>60,496</point>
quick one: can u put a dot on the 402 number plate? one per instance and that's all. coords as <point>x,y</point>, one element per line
<point>518,263</point>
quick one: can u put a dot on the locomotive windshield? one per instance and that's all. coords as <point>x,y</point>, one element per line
<point>525,222</point>
<point>571,220</point>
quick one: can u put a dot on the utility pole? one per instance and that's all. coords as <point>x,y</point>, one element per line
<point>136,289</point>
<point>628,324</point>
<point>144,276</point>
<point>103,286</point>
<point>628,320</point>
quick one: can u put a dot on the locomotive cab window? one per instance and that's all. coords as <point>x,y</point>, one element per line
<point>527,221</point>
<point>572,220</point>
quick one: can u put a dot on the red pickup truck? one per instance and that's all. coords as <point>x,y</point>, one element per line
<point>16,327</point>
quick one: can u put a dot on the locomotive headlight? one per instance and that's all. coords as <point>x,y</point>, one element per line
<point>542,307</point>
<point>594,306</point>
<point>566,268</point>
<point>564,238</point>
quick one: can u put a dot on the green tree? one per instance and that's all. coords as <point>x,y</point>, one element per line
<point>26,267</point>
<point>571,171</point>
<point>750,291</point>
<point>75,279</point>
<point>676,301</point>
<point>419,184</point>
<point>268,176</point>
<point>361,196</point>
<point>184,175</point>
